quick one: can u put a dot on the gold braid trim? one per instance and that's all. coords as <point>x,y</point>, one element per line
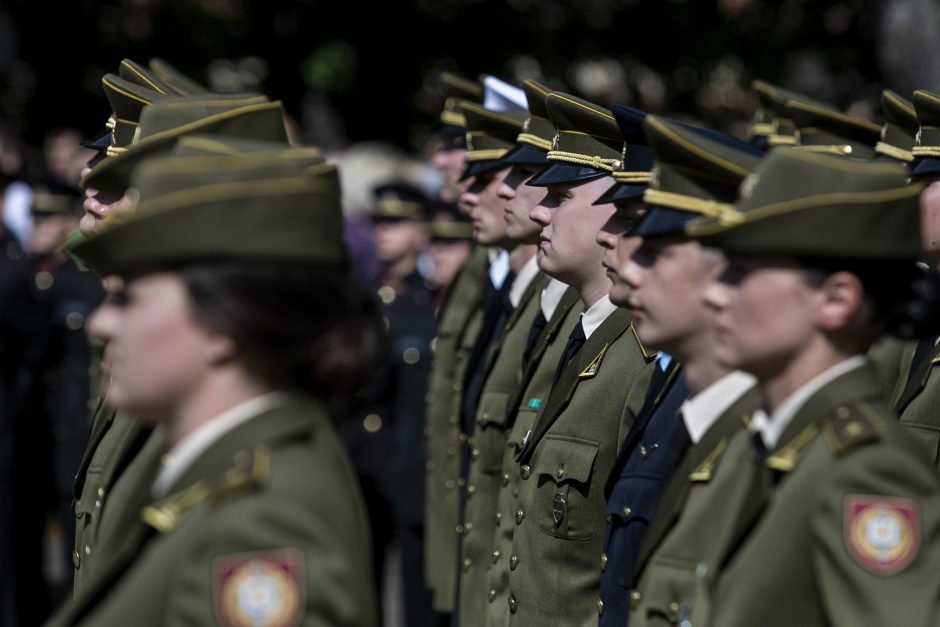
<point>763,128</point>
<point>710,208</point>
<point>534,140</point>
<point>598,163</point>
<point>455,119</point>
<point>781,140</point>
<point>926,151</point>
<point>486,155</point>
<point>883,148</point>
<point>631,177</point>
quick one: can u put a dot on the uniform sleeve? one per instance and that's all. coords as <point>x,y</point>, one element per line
<point>270,562</point>
<point>876,533</point>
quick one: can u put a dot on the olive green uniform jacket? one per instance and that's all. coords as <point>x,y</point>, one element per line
<point>525,405</point>
<point>457,330</point>
<point>916,399</point>
<point>113,445</point>
<point>850,528</point>
<point>267,527</point>
<point>682,533</point>
<point>558,540</point>
<point>504,375</point>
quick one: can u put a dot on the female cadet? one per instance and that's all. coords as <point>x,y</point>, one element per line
<point>235,327</point>
<point>841,524</point>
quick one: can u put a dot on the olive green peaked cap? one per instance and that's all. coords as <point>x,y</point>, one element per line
<point>535,139</point>
<point>182,84</point>
<point>825,129</point>
<point>136,73</point>
<point>127,101</point>
<point>457,90</point>
<point>899,129</point>
<point>162,123</point>
<point>587,141</point>
<point>819,205</point>
<point>693,174</point>
<point>490,135</point>
<point>280,206</point>
<point>773,121</point>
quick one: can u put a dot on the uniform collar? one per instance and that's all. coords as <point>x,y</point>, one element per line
<point>551,296</point>
<point>522,280</point>
<point>701,411</point>
<point>594,316</point>
<point>499,267</point>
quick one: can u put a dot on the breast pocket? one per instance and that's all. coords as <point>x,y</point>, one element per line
<point>628,512</point>
<point>568,502</point>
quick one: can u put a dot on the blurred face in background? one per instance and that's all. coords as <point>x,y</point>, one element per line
<point>449,159</point>
<point>50,231</point>
<point>447,257</point>
<point>519,200</point>
<point>398,239</point>
<point>930,217</point>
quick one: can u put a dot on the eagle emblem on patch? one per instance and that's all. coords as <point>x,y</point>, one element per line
<point>259,588</point>
<point>882,533</point>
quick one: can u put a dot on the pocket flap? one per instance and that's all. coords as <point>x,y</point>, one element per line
<point>565,458</point>
<point>492,408</point>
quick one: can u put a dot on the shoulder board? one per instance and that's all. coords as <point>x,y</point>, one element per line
<point>786,457</point>
<point>704,470</point>
<point>249,470</point>
<point>851,426</point>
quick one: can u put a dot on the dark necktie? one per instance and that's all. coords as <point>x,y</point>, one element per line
<point>538,325</point>
<point>920,354</point>
<point>575,342</point>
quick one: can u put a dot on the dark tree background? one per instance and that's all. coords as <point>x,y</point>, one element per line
<point>350,71</point>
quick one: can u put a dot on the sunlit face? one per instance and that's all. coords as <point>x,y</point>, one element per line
<point>98,207</point>
<point>157,353</point>
<point>485,208</point>
<point>764,313</point>
<point>930,217</point>
<point>395,240</point>
<point>447,259</point>
<point>49,232</point>
<point>568,249</point>
<point>518,201</point>
<point>450,161</point>
<point>618,247</point>
<point>667,277</point>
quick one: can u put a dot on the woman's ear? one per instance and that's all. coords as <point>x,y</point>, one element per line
<point>841,298</point>
<point>218,348</point>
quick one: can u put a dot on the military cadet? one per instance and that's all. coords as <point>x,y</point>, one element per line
<point>386,442</point>
<point>457,328</point>
<point>67,294</point>
<point>451,238</point>
<point>205,332</point>
<point>116,441</point>
<point>695,173</point>
<point>452,129</point>
<point>836,511</point>
<point>916,392</point>
<point>505,216</point>
<point>543,347</point>
<point>597,391</point>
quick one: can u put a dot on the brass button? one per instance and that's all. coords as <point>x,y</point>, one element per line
<point>635,598</point>
<point>561,473</point>
<point>519,516</point>
<point>492,595</point>
<point>600,607</point>
<point>76,559</point>
<point>101,493</point>
<point>87,550</point>
<point>449,484</point>
<point>496,555</point>
<point>499,518</point>
<point>459,529</point>
<point>471,490</point>
<point>475,453</point>
<point>486,415</point>
<point>525,471</point>
<point>512,604</point>
<point>674,610</point>
<point>461,482</point>
<point>603,562</point>
<point>411,355</point>
<point>467,564</point>
<point>372,423</point>
<point>463,437</point>
<point>513,561</point>
<point>626,512</point>
<point>467,526</point>
<point>505,479</point>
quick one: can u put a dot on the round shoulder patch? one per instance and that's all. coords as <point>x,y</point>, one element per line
<point>263,588</point>
<point>882,533</point>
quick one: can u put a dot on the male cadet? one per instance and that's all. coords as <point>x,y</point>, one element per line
<point>557,310</point>
<point>837,515</point>
<point>696,172</point>
<point>457,327</point>
<point>916,394</point>
<point>490,369</point>
<point>505,372</point>
<point>452,131</point>
<point>451,239</point>
<point>598,388</point>
<point>390,448</point>
<point>107,474</point>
